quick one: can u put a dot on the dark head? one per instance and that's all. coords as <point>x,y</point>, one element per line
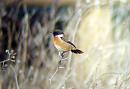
<point>56,33</point>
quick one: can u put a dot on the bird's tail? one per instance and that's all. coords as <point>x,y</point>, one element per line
<point>76,51</point>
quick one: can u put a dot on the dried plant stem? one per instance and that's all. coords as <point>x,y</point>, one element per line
<point>50,79</point>
<point>67,73</point>
<point>15,76</point>
<point>78,15</point>
<point>68,69</point>
<point>52,76</point>
<point>2,62</point>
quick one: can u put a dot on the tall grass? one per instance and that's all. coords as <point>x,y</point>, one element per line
<point>100,29</point>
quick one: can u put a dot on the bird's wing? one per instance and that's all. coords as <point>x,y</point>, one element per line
<point>68,42</point>
<point>71,43</point>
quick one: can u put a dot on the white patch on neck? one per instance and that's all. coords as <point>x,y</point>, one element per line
<point>61,35</point>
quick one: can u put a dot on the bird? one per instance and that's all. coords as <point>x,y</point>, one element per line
<point>62,45</point>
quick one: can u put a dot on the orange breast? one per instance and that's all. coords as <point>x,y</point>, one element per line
<point>61,45</point>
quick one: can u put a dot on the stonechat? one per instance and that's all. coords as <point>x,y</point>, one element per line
<point>62,45</point>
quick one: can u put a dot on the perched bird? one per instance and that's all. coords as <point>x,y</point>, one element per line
<point>62,45</point>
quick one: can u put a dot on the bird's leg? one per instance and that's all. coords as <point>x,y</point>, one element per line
<point>62,54</point>
<point>62,58</point>
<point>60,65</point>
<point>60,61</point>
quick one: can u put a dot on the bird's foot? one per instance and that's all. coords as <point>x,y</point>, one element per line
<point>60,65</point>
<point>62,62</point>
<point>63,54</point>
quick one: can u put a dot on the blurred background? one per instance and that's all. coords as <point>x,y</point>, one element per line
<point>101,28</point>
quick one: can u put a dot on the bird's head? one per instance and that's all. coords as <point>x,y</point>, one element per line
<point>58,34</point>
